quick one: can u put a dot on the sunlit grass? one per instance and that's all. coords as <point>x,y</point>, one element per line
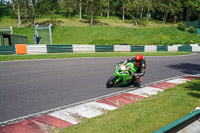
<point>147,115</point>
<point>82,55</point>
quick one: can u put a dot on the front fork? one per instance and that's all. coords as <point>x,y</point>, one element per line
<point>119,79</point>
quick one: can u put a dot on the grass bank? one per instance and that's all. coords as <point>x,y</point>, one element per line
<point>106,31</point>
<point>145,116</point>
<point>115,35</point>
<point>80,55</point>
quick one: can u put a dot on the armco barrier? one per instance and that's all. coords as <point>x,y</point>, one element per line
<point>122,48</point>
<point>59,48</point>
<point>137,48</point>
<point>150,48</point>
<point>162,48</point>
<point>7,50</point>
<point>83,48</point>
<point>195,48</point>
<point>186,48</point>
<point>172,48</point>
<point>43,49</point>
<point>104,48</point>
<point>36,49</point>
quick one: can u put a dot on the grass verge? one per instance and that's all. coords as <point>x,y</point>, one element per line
<point>114,35</point>
<point>145,116</point>
<point>80,55</point>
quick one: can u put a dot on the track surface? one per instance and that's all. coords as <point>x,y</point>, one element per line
<point>28,87</point>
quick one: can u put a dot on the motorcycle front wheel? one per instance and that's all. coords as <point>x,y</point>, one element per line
<point>111,81</point>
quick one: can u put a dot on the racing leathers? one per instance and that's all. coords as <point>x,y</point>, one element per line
<point>141,67</point>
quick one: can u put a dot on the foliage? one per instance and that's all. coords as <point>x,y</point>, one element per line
<point>162,10</point>
<point>181,26</point>
<point>191,29</point>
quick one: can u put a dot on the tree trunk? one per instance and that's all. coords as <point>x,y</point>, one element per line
<point>165,15</point>
<point>80,7</point>
<point>13,5</point>
<point>188,14</point>
<point>108,10</point>
<point>18,11</point>
<point>91,17</point>
<point>148,14</point>
<point>69,14</point>
<point>123,13</point>
<point>26,10</point>
<point>101,14</point>
<point>141,13</point>
<point>33,15</point>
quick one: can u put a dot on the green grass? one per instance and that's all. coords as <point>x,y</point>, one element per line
<point>106,31</point>
<point>147,115</point>
<point>80,55</point>
<point>115,35</point>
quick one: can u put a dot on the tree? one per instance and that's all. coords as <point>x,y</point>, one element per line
<point>92,9</point>
<point>125,6</point>
<point>192,8</point>
<point>18,12</point>
<point>149,6</point>
<point>69,5</point>
<point>13,4</point>
<point>80,9</point>
<point>33,12</point>
<point>168,6</point>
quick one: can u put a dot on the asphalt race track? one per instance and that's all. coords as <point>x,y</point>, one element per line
<point>28,87</point>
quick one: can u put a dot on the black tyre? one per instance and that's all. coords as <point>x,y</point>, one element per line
<point>111,81</point>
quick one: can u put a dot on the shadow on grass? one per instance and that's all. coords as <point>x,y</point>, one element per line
<point>95,22</point>
<point>187,68</point>
<point>195,87</point>
<point>53,22</point>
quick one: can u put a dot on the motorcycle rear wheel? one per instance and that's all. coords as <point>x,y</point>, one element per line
<point>111,81</point>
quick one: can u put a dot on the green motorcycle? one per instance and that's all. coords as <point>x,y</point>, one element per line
<point>122,74</point>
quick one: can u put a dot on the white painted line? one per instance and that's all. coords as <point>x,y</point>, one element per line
<point>65,116</point>
<point>178,81</point>
<point>146,91</point>
<point>84,110</point>
<point>197,75</point>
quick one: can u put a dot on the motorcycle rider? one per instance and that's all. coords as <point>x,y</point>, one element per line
<point>140,63</point>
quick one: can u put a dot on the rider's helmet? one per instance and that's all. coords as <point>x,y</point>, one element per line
<point>138,59</point>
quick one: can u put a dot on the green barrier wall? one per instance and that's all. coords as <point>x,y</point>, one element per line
<point>7,50</point>
<point>186,48</point>
<point>59,48</point>
<point>104,48</point>
<point>198,31</point>
<point>137,48</point>
<point>162,48</point>
<point>180,124</point>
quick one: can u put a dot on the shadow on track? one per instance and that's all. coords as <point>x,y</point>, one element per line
<point>187,68</point>
<point>130,85</point>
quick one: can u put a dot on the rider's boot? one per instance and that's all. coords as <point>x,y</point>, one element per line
<point>138,79</point>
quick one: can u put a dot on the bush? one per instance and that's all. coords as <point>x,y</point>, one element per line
<point>181,26</point>
<point>191,29</point>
